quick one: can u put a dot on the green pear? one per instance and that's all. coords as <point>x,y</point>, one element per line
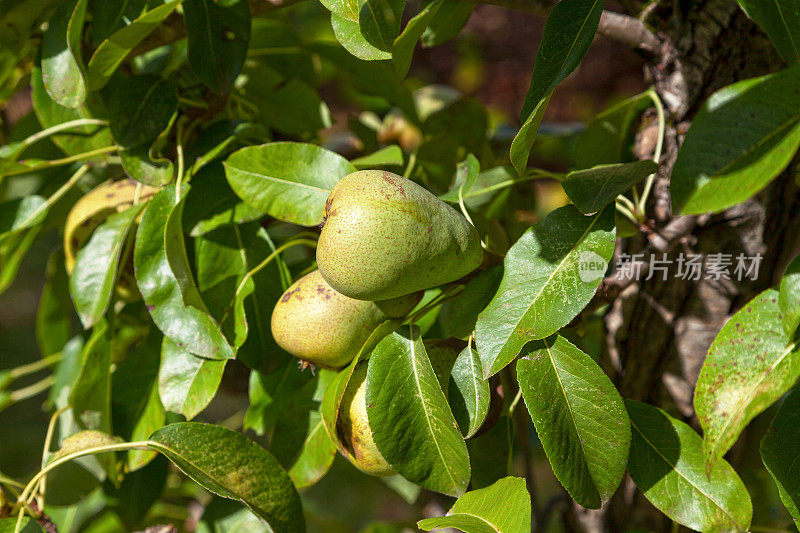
<point>314,322</point>
<point>352,427</point>
<point>384,236</point>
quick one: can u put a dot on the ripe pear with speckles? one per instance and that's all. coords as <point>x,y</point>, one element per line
<point>385,236</point>
<point>353,429</point>
<point>314,322</point>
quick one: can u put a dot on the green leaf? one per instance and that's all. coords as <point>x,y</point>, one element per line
<point>568,33</point>
<point>91,394</point>
<point>232,466</point>
<point>478,511</point>
<point>50,113</point>
<point>491,453</point>
<point>750,364</point>
<point>379,21</point>
<point>780,448</point>
<point>13,248</point>
<point>463,311</point>
<point>54,313</point>
<point>593,189</point>
<point>410,419</point>
<point>187,383</point>
<point>403,47</point>
<point>139,108</point>
<point>347,9</point>
<point>94,276</point>
<point>62,67</point>
<point>579,416</point>
<point>316,456</point>
<point>780,19</point>
<point>523,141</point>
<point>388,156</point>
<point>286,180</point>
<point>666,463</point>
<point>550,275</point>
<point>348,33</point>
<point>27,525</point>
<point>113,50</point>
<point>789,297</point>
<point>218,37</point>
<point>109,16</point>
<point>140,165</point>
<point>744,135</point>
<point>469,393</point>
<point>606,138</point>
<point>467,173</point>
<point>450,19</point>
<point>22,213</point>
<point>332,399</point>
<point>164,279</point>
<point>135,404</point>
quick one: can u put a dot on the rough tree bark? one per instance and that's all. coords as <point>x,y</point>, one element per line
<point>659,331</point>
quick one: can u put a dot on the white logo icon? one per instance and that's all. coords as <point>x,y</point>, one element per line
<point>591,266</point>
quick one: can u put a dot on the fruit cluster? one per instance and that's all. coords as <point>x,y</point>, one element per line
<point>384,240</point>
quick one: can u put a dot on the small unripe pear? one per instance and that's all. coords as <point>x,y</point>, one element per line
<point>352,428</point>
<point>314,322</point>
<point>385,236</point>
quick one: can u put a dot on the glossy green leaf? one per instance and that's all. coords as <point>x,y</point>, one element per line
<point>332,399</point>
<point>62,68</point>
<point>97,265</point>
<point>789,298</point>
<point>550,274</point>
<point>219,34</point>
<point>140,165</point>
<point>164,279</point>
<point>316,456</point>
<point>478,511</point>
<point>389,156</point>
<point>780,19</point>
<point>411,422</point>
<point>187,383</point>
<point>54,313</point>
<point>224,256</point>
<point>403,47</point>
<point>22,213</point>
<point>286,180</point>
<point>13,248</point>
<point>139,108</point>
<point>109,16</point>
<point>49,113</point>
<point>463,311</point>
<point>348,33</point>
<point>606,139</point>
<point>136,408</point>
<point>750,364</point>
<point>780,448</point>
<point>379,21</point>
<point>27,525</point>
<point>491,453</point>
<point>232,466</point>
<point>91,394</point>
<point>568,33</point>
<point>666,463</point>
<point>347,9</point>
<point>579,416</point>
<point>450,19</point>
<point>744,135</point>
<point>225,516</point>
<point>469,393</point>
<point>594,188</point>
<point>110,54</point>
<point>523,141</point>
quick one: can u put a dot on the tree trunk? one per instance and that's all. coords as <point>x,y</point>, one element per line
<point>658,331</point>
